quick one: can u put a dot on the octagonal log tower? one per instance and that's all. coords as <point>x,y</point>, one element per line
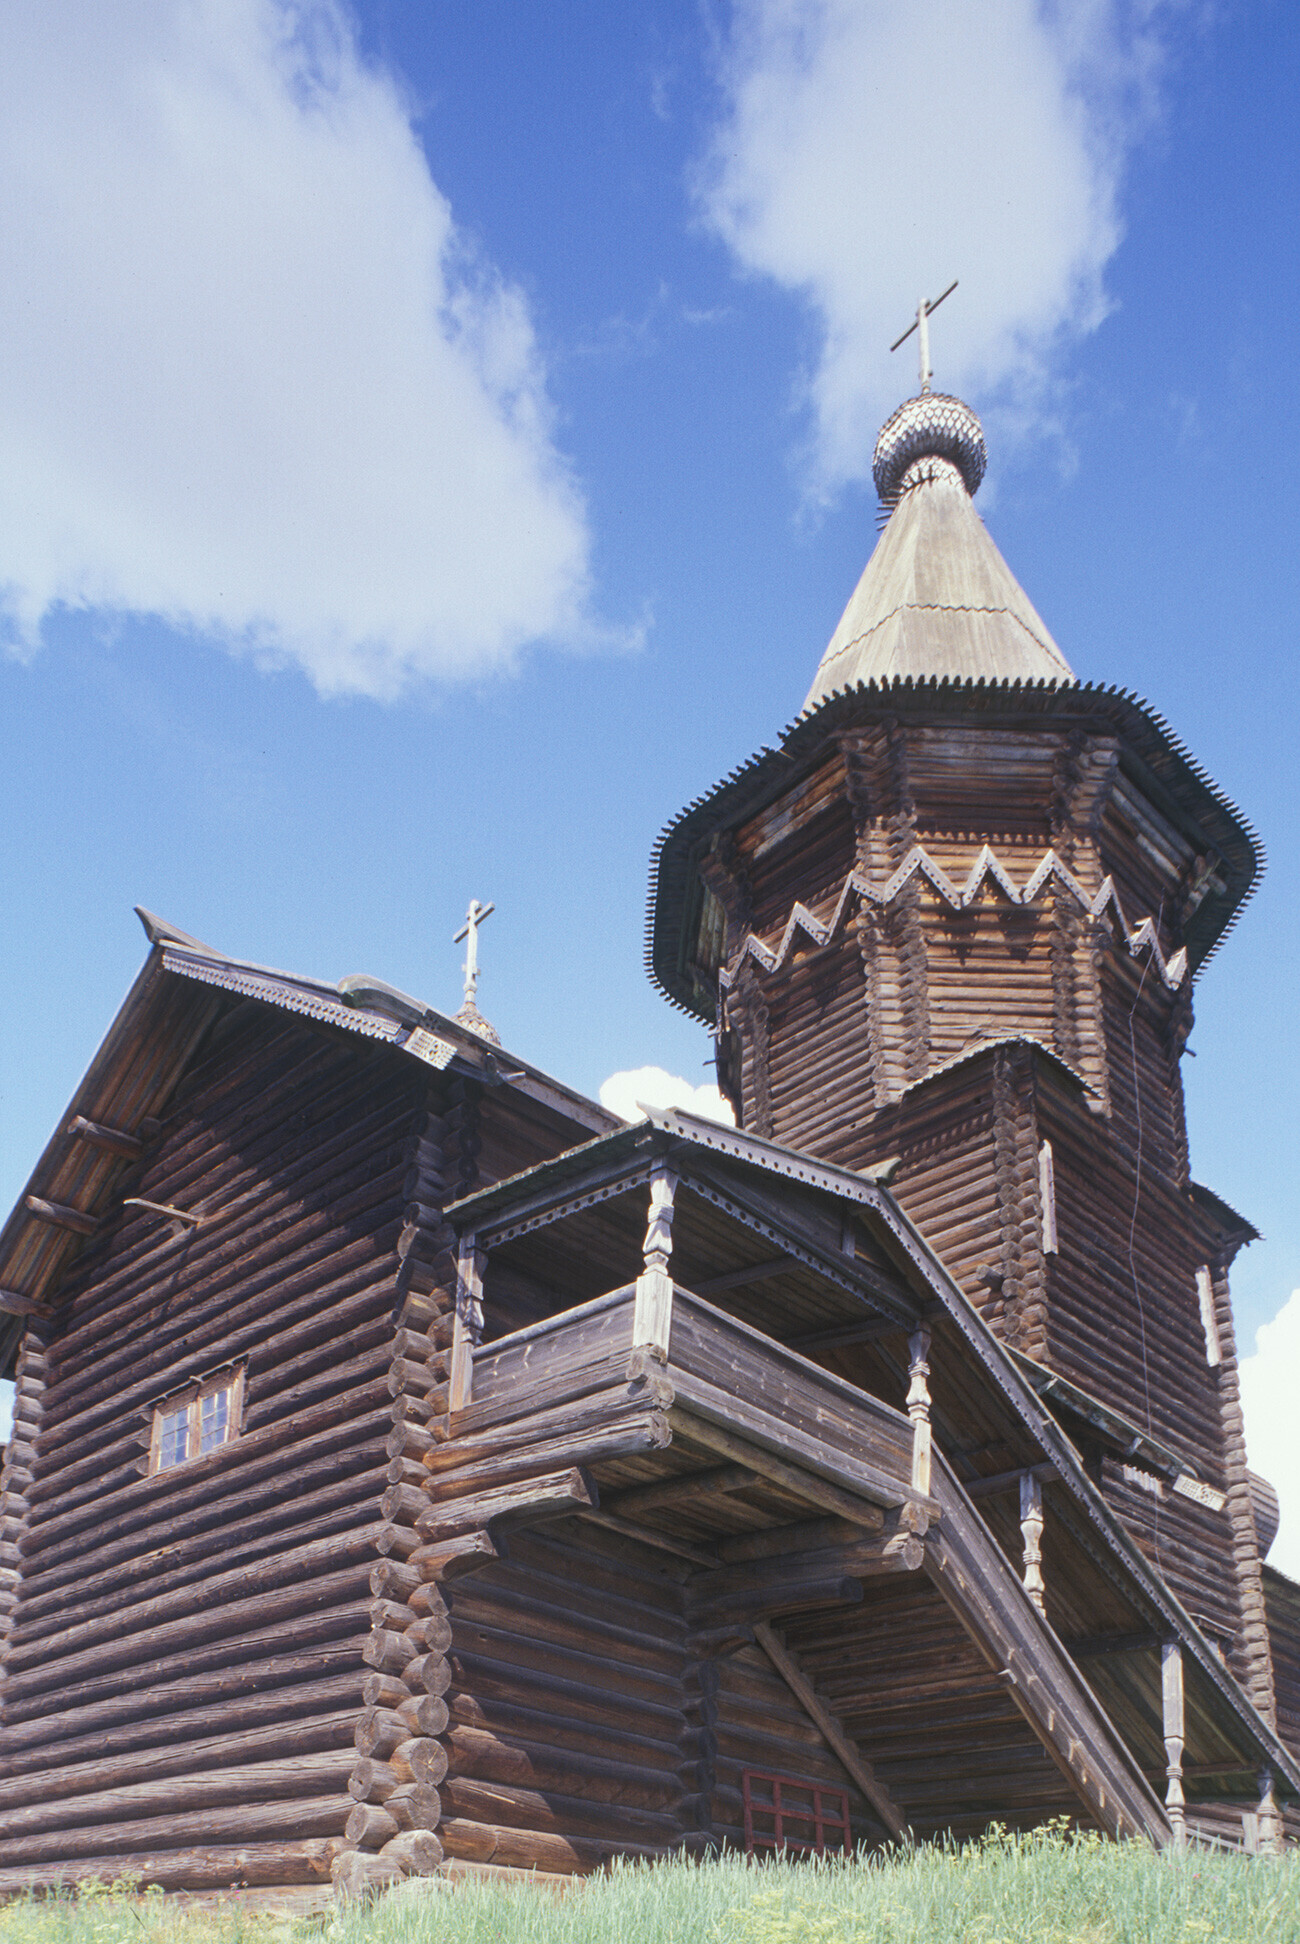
<point>952,921</point>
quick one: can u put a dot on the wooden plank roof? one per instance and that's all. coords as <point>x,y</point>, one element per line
<point>936,598</point>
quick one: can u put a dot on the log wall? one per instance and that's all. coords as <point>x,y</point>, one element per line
<point>185,1667</point>
<point>868,1046</point>
<point>1283,1599</point>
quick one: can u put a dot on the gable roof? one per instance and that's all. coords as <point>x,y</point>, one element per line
<point>156,1032</point>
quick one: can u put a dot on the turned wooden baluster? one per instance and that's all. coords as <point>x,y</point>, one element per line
<point>1270,1821</point>
<point>653,1316</point>
<point>469,1323</point>
<point>918,1409</point>
<point>1171,1694</point>
<point>1031,1532</point>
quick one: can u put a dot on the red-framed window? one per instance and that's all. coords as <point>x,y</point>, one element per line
<point>783,1813</point>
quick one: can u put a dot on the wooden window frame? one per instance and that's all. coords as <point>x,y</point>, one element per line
<point>819,1818</point>
<point>190,1398</point>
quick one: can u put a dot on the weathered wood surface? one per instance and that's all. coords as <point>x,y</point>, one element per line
<point>184,1672</point>
<point>882,1026</point>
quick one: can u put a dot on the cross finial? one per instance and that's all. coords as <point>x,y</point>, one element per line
<point>474,917</point>
<point>921,324</point>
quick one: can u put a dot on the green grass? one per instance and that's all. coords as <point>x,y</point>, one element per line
<point>1049,1887</point>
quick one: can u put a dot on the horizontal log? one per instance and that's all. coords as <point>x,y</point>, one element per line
<point>323,1773</point>
<point>379,1731</point>
<point>396,1541</point>
<point>329,1498</point>
<point>781,1596</point>
<point>803,1536</point>
<point>623,1436</point>
<point>424,1715</point>
<point>535,1765</point>
<point>371,1780</point>
<point>394,1580</point>
<point>384,1690</point>
<point>256,1865</point>
<point>587,1625</point>
<point>224,1624</point>
<point>166,1495</point>
<point>303,1315</point>
<point>876,1484</point>
<point>236,1586</point>
<point>683,1488</point>
<point>514,1712</point>
<point>387,1651</point>
<point>643,1535</point>
<point>404,1504</point>
<point>201,1699</point>
<point>14,1303</point>
<point>555,1814</point>
<point>413,1807</point>
<point>471,1840</point>
<point>507,1658</point>
<point>236,1747</point>
<point>359,1875</point>
<point>543,1495</point>
<point>428,1673</point>
<point>289,1821</point>
<point>575,1419</point>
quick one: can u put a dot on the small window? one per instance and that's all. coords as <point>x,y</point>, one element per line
<point>196,1420</point>
<point>782,1813</point>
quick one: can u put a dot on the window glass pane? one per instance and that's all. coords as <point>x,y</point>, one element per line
<point>214,1417</point>
<point>173,1437</point>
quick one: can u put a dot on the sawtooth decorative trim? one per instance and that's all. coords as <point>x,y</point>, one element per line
<point>987,868</point>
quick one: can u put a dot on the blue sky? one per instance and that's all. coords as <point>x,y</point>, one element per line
<point>434,446</point>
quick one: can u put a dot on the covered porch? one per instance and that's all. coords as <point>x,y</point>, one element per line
<point>799,1515</point>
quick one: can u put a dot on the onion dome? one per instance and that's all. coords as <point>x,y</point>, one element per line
<point>933,426</point>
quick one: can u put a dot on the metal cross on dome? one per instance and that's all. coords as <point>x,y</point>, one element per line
<point>474,917</point>
<point>921,323</point>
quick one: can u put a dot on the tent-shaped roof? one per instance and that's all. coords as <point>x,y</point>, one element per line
<point>937,599</point>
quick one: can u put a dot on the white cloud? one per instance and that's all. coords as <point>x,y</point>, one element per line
<point>252,378</point>
<point>654,1086</point>
<point>870,153</point>
<point>1268,1396</point>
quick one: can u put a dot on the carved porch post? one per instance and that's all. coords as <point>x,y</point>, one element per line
<point>1171,1694</point>
<point>653,1316</point>
<point>468,1326</point>
<point>1031,1532</point>
<point>918,1408</point>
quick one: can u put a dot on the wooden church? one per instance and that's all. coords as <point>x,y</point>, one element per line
<point>417,1470</point>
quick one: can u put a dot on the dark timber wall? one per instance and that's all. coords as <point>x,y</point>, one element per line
<point>185,1669</point>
